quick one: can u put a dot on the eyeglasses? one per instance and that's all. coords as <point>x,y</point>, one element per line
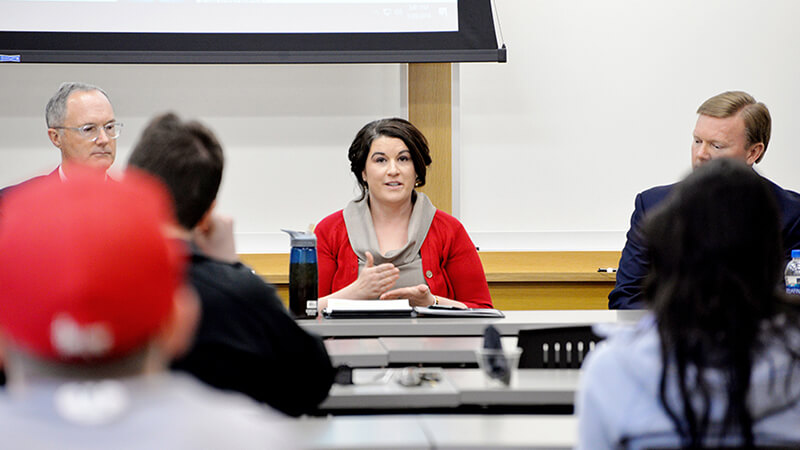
<point>91,131</point>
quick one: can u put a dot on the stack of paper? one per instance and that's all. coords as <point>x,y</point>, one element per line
<point>338,307</point>
<point>400,308</point>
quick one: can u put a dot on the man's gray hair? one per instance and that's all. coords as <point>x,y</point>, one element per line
<point>56,108</point>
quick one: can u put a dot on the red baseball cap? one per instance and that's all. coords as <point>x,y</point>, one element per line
<point>87,271</point>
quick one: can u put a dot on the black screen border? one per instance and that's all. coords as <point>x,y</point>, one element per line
<point>475,41</point>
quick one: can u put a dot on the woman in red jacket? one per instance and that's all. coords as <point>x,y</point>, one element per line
<point>391,242</point>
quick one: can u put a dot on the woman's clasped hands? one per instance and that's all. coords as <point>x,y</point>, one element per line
<point>419,295</point>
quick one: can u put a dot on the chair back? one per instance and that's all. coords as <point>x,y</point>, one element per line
<point>556,348</point>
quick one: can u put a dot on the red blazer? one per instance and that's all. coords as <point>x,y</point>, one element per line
<point>8,189</point>
<point>450,261</point>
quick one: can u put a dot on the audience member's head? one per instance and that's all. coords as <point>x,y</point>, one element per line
<point>81,123</point>
<point>91,282</point>
<point>731,125</point>
<point>188,158</point>
<point>395,128</point>
<point>716,253</point>
<point>716,241</point>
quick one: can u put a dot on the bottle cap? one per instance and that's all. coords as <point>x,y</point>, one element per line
<point>302,238</point>
<point>795,254</point>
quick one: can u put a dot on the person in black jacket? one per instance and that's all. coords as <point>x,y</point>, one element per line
<point>246,340</point>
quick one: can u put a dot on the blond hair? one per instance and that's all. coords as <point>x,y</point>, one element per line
<point>757,121</point>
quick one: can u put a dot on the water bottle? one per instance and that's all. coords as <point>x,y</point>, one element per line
<point>793,274</point>
<point>303,275</point>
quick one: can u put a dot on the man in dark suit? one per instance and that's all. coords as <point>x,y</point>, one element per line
<point>729,125</point>
<point>82,125</point>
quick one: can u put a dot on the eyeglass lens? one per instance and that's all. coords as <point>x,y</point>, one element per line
<point>91,131</point>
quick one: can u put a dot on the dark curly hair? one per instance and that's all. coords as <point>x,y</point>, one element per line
<point>392,127</point>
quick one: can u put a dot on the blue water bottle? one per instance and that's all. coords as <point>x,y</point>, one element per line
<point>792,274</point>
<point>303,276</point>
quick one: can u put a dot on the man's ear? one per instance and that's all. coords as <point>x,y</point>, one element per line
<point>55,137</point>
<point>755,153</point>
<point>177,334</point>
<point>205,221</point>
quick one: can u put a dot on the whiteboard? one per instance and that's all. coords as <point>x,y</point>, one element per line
<point>597,103</point>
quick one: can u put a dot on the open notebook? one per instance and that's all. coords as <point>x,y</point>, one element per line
<point>342,308</point>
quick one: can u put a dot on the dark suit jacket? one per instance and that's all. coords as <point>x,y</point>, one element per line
<point>635,262</point>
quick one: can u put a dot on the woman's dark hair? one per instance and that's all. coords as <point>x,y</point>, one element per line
<point>717,260</point>
<point>396,128</point>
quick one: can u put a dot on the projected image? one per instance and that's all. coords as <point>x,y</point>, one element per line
<point>230,16</point>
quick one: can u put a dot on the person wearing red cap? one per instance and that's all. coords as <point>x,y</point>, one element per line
<point>93,307</point>
<point>246,340</point>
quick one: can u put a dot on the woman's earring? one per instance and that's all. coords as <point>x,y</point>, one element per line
<point>417,183</point>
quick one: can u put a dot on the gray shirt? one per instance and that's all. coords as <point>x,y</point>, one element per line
<point>160,411</point>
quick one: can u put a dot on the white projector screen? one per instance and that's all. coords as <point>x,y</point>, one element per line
<point>230,16</point>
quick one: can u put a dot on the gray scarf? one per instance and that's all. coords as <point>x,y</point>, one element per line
<point>361,231</point>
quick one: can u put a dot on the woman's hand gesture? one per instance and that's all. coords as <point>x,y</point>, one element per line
<point>375,280</point>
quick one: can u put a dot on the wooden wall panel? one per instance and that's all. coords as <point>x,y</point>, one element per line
<point>517,280</point>
<point>430,110</point>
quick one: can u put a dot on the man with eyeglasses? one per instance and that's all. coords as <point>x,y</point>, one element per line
<point>81,123</point>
